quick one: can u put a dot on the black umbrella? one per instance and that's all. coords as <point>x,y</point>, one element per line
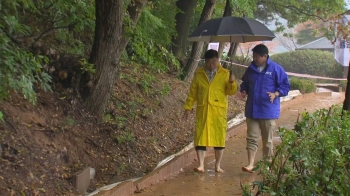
<point>231,29</point>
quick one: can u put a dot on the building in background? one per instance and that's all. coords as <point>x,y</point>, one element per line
<point>320,44</point>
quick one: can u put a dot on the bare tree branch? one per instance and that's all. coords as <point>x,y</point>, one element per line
<point>277,11</point>
<point>14,40</point>
<point>304,13</point>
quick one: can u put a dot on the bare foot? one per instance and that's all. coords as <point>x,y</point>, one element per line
<point>199,170</point>
<point>248,169</point>
<point>219,170</point>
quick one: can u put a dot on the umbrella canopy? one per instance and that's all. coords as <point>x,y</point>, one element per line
<point>231,29</point>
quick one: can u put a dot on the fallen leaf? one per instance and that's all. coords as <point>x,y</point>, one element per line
<point>42,190</point>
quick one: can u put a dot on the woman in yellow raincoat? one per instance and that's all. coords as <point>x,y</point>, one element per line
<point>209,89</point>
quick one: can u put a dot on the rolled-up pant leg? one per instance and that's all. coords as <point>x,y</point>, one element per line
<point>253,134</point>
<point>267,129</point>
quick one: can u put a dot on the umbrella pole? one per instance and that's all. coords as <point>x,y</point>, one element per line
<point>231,68</point>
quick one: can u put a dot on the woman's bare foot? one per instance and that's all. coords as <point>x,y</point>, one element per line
<point>199,170</point>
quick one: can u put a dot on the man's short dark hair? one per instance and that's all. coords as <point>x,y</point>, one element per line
<point>261,50</point>
<point>211,54</point>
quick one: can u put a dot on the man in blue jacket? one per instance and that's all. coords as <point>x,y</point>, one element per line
<point>264,82</point>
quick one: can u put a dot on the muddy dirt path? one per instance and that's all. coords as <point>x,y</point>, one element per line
<point>189,183</point>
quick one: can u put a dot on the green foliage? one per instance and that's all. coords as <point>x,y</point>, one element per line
<point>121,169</point>
<point>20,71</point>
<point>120,121</point>
<point>125,137</point>
<point>343,84</point>
<point>244,8</point>
<point>314,62</point>
<point>240,8</point>
<point>32,27</point>
<point>69,121</point>
<point>303,85</point>
<point>159,22</point>
<point>297,11</point>
<point>66,25</point>
<point>128,111</point>
<point>246,189</point>
<point>156,57</point>
<point>1,117</point>
<point>311,160</point>
<point>152,35</point>
<point>146,83</point>
<point>165,89</point>
<point>146,79</point>
<point>85,66</point>
<point>305,36</point>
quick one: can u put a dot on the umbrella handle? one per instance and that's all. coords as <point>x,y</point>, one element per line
<point>231,72</point>
<point>231,67</point>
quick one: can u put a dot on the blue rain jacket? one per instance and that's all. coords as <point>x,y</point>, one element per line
<point>256,84</point>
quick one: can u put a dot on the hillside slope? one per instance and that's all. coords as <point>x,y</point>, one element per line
<point>44,145</point>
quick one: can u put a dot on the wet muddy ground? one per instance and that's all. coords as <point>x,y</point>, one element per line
<point>210,183</point>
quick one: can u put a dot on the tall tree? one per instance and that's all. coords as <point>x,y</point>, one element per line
<point>240,8</point>
<point>183,18</point>
<point>109,43</point>
<point>309,31</point>
<point>296,11</point>
<point>346,104</point>
<point>227,12</point>
<point>197,47</point>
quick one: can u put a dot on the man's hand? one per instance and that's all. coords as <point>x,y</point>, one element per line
<point>272,96</point>
<point>186,115</point>
<point>241,95</point>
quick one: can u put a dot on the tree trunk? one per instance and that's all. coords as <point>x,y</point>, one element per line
<point>233,50</point>
<point>227,12</point>
<point>109,43</point>
<point>231,54</point>
<point>197,47</point>
<point>346,105</point>
<point>183,19</point>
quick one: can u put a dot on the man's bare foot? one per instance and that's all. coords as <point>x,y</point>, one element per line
<point>219,170</point>
<point>248,169</point>
<point>199,170</point>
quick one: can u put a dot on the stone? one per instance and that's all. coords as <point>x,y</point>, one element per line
<point>82,180</point>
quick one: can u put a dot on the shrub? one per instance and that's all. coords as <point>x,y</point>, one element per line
<point>20,71</point>
<point>303,85</point>
<point>314,62</point>
<point>30,28</point>
<point>343,84</point>
<point>311,160</point>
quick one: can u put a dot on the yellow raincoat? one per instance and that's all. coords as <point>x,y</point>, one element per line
<point>212,103</point>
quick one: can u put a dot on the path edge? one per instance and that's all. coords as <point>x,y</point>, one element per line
<point>163,173</point>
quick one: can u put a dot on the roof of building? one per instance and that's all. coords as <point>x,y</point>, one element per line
<point>320,44</point>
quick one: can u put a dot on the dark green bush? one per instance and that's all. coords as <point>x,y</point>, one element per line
<point>303,85</point>
<point>314,62</point>
<point>314,159</point>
